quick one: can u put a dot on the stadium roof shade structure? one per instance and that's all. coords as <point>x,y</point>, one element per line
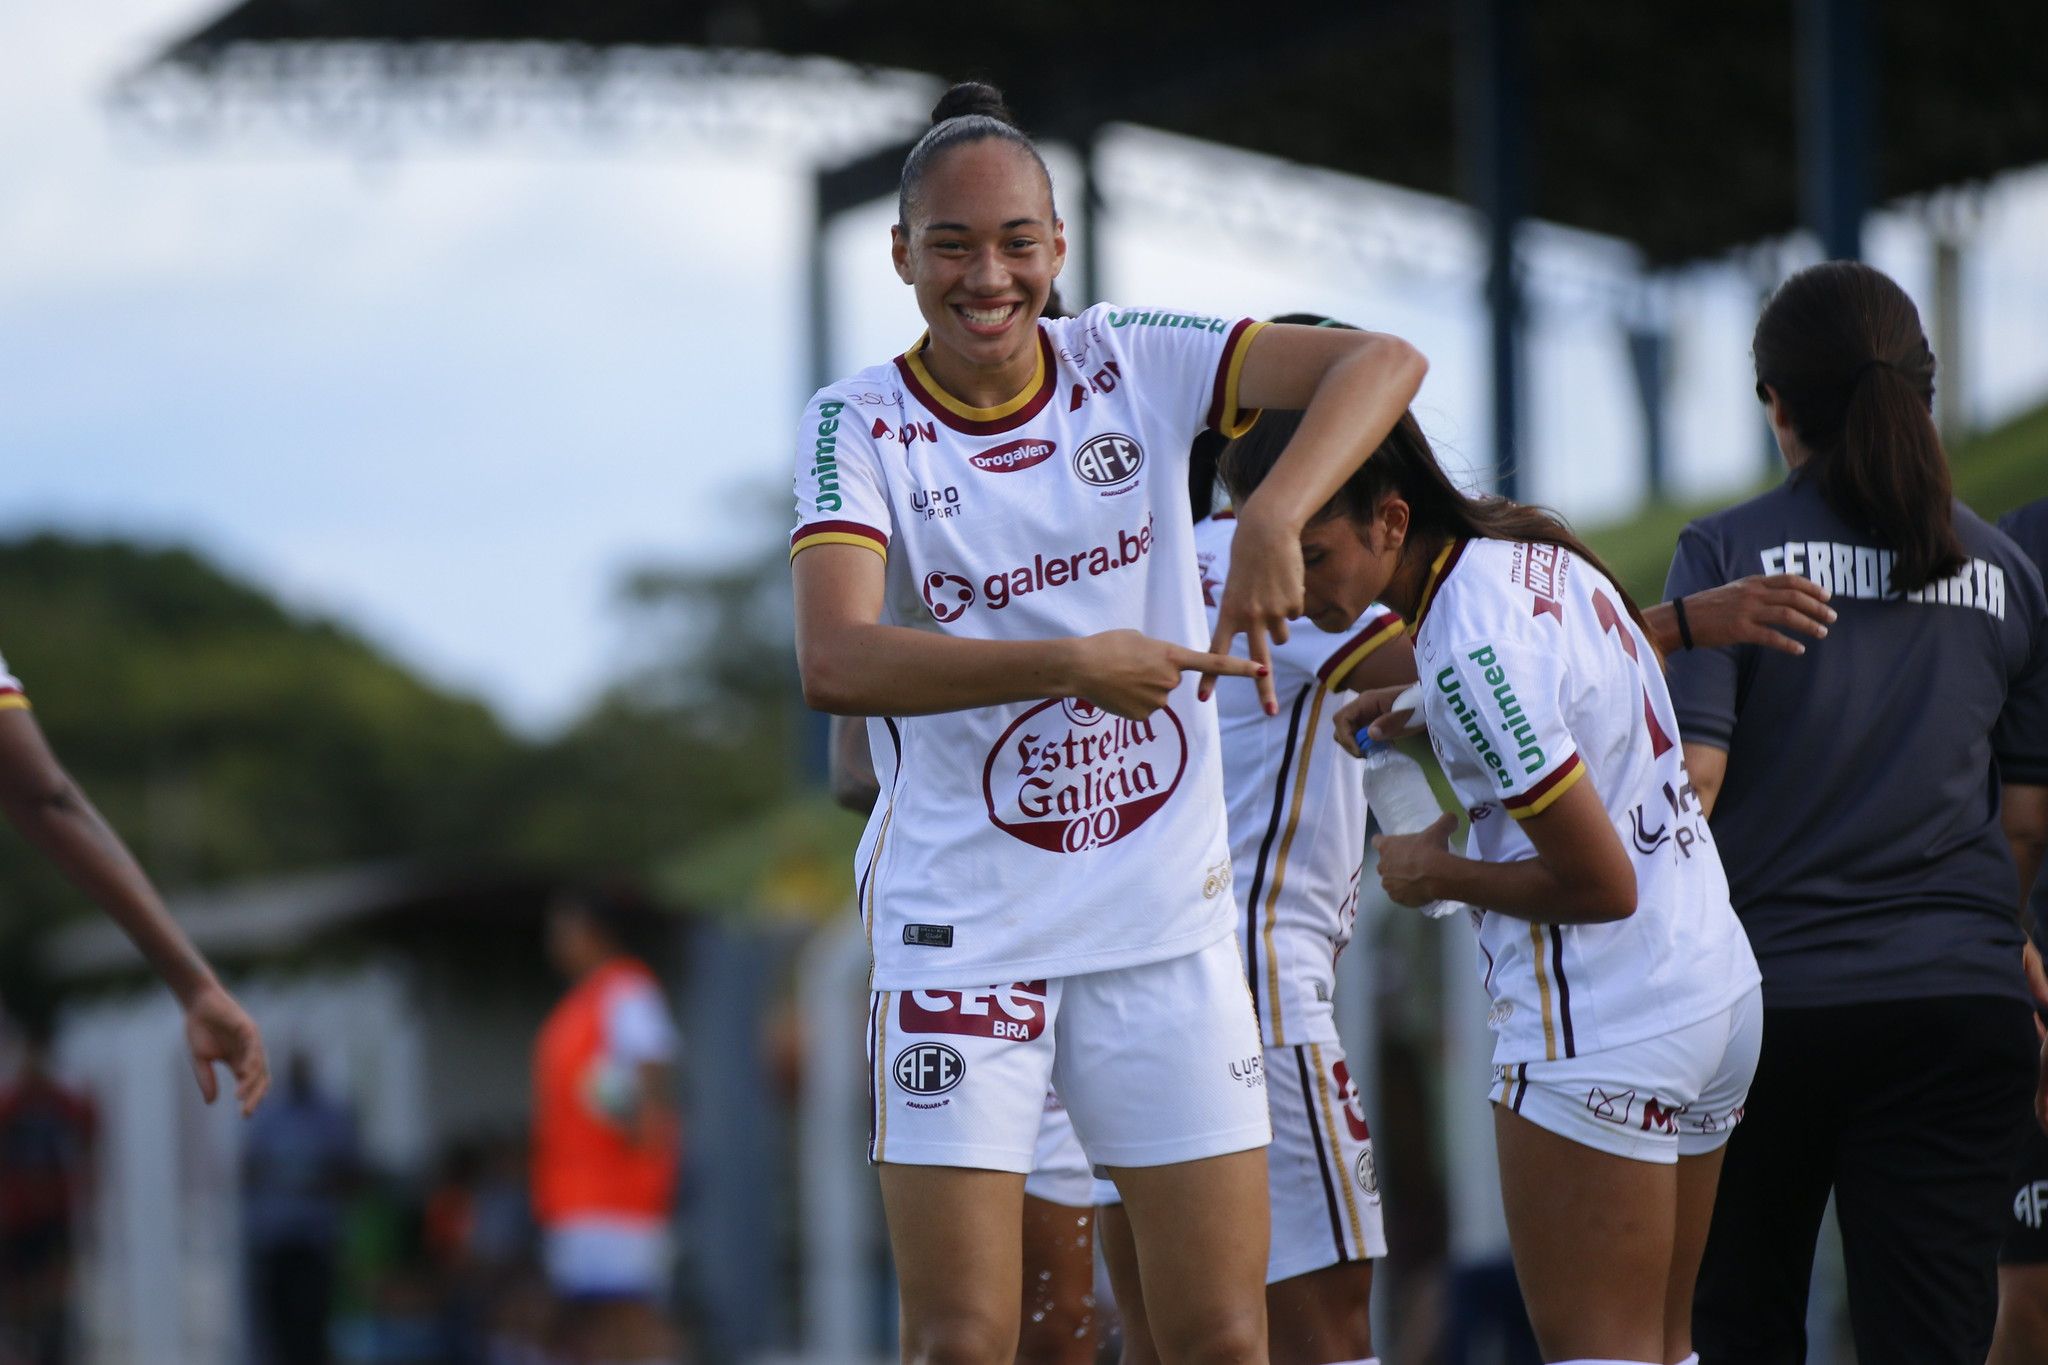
<point>1683,130</point>
<point>1670,126</point>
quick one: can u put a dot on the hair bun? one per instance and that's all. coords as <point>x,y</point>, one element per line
<point>972,97</point>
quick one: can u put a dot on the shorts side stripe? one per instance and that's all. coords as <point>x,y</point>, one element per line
<point>1330,1123</point>
<point>1322,1155</point>
<point>881,1031</point>
<point>1521,1086</point>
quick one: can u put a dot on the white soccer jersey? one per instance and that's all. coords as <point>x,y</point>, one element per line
<point>1534,678</point>
<point>1297,809</point>
<point>1039,839</point>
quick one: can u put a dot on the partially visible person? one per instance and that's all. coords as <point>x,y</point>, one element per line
<point>298,1165</point>
<point>1060,1321</point>
<point>607,1141</point>
<point>46,1139</point>
<point>1855,796</point>
<point>1297,819</point>
<point>49,810</point>
<point>2021,1334</point>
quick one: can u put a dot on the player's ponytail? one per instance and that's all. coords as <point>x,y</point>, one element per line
<point>1405,464</point>
<point>968,112</point>
<point>1842,347</point>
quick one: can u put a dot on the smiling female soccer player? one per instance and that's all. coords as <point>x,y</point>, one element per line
<point>1624,992</point>
<point>994,557</point>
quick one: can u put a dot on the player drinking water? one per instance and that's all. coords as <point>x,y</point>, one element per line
<point>1623,990</point>
<point>994,556</point>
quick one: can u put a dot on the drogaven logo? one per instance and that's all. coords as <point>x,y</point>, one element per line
<point>1108,460</point>
<point>928,1068</point>
<point>1068,777</point>
<point>1007,459</point>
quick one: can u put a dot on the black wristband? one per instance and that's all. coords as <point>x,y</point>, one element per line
<point>1684,628</point>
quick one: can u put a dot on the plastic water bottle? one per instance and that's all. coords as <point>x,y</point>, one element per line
<point>1400,797</point>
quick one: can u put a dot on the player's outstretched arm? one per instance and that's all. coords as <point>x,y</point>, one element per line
<point>40,799</point>
<point>853,665</point>
<point>1763,609</point>
<point>1352,387</point>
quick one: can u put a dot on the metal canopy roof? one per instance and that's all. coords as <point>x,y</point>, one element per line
<point>1672,126</point>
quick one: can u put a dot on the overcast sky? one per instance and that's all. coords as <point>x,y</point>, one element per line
<point>449,396</point>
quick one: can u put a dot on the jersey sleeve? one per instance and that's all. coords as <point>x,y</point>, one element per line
<point>1496,714</point>
<point>1198,358</point>
<point>12,698</point>
<point>1332,657</point>
<point>2020,738</point>
<point>1702,681</point>
<point>637,1027</point>
<point>842,497</point>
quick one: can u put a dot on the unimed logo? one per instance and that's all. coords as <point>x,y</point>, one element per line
<point>928,1069</point>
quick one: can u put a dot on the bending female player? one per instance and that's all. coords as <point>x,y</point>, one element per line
<point>994,556</point>
<point>1623,990</point>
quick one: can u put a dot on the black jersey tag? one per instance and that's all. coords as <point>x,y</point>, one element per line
<point>928,935</point>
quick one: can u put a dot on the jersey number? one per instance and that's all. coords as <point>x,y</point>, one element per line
<point>1611,622</point>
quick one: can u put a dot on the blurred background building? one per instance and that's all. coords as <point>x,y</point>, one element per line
<point>398,398</point>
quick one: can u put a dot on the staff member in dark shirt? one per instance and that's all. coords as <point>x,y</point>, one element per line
<point>2022,1336</point>
<point>1856,796</point>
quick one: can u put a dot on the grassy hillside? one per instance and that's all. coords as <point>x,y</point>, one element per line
<point>1995,472</point>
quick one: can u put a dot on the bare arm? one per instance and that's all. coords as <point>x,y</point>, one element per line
<point>1580,874</point>
<point>1707,767</point>
<point>852,665</point>
<point>46,806</point>
<point>1758,610</point>
<point>1353,388</point>
<point>852,766</point>
<point>2023,810</point>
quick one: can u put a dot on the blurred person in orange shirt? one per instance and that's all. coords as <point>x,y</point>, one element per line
<point>46,1137</point>
<point>607,1140</point>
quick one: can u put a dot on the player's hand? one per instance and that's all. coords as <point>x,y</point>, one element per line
<point>1762,609</point>
<point>1129,674</point>
<point>1409,862</point>
<point>1261,594</point>
<point>219,1030</point>
<point>1370,715</point>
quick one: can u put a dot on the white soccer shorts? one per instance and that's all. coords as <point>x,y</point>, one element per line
<point>605,1257</point>
<point>1678,1094</point>
<point>1060,1172</point>
<point>1157,1064</point>
<point>1321,1183</point>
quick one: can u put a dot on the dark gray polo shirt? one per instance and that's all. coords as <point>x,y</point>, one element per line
<point>1858,820</point>
<point>2028,526</point>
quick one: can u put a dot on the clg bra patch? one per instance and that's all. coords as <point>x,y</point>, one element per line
<point>928,935</point>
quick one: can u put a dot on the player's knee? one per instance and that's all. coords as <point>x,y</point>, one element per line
<point>963,1337</point>
<point>1219,1335</point>
<point>1061,1336</point>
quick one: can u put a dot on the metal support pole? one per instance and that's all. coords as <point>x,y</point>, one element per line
<point>1649,343</point>
<point>1088,219</point>
<point>1494,97</point>
<point>1833,76</point>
